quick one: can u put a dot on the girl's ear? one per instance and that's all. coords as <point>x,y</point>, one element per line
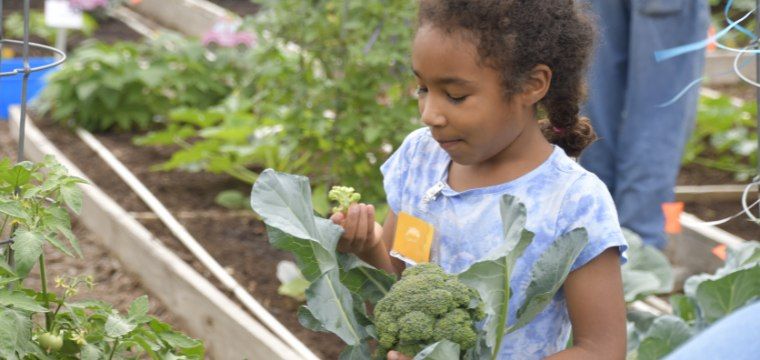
<point>537,84</point>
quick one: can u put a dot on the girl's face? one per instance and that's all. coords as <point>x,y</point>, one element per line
<point>462,101</point>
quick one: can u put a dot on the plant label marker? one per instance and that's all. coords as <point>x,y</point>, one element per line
<point>413,239</point>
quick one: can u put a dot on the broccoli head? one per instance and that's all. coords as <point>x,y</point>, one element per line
<point>426,306</point>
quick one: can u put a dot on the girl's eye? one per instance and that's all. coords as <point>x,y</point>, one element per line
<point>456,100</point>
<point>421,90</point>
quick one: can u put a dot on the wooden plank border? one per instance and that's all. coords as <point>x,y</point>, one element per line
<point>227,330</point>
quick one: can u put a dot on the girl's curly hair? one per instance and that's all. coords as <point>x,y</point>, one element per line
<point>513,36</point>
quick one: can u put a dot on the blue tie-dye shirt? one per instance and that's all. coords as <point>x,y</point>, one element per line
<point>559,195</point>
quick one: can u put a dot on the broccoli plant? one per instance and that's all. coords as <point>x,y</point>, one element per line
<point>344,196</point>
<point>424,307</point>
<point>427,313</point>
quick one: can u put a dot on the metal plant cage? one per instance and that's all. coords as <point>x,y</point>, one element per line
<point>24,71</point>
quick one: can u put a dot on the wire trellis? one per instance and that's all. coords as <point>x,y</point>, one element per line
<point>26,70</point>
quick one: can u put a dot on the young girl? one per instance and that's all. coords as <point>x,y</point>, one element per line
<point>484,68</point>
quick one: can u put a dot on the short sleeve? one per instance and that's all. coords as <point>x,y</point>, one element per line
<point>396,169</point>
<point>588,204</point>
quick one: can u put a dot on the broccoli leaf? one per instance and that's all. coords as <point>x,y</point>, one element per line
<point>331,304</point>
<point>364,279</point>
<point>717,298</point>
<point>549,273</point>
<point>284,203</point>
<point>491,277</point>
<point>647,271</point>
<point>442,350</point>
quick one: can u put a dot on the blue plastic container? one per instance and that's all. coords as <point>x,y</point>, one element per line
<point>10,86</point>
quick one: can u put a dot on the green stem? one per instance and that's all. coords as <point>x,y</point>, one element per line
<point>500,330</point>
<point>113,349</point>
<point>43,279</point>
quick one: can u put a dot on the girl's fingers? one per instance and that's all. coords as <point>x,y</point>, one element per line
<point>370,231</point>
<point>350,224</point>
<point>337,218</point>
<point>361,228</point>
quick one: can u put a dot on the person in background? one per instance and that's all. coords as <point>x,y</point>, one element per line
<point>641,141</point>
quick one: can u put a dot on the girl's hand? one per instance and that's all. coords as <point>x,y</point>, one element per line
<point>395,355</point>
<point>361,232</point>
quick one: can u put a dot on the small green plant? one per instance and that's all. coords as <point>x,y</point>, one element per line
<point>133,86</point>
<point>344,196</point>
<point>724,137</point>
<point>342,283</point>
<point>43,324</point>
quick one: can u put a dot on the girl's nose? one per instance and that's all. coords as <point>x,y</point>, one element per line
<point>431,114</point>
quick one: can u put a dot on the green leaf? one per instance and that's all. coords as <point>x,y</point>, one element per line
<point>355,352</point>
<point>139,307</point>
<point>684,307</point>
<point>665,334</point>
<point>549,273</point>
<point>307,319</point>
<point>717,298</point>
<point>442,350</point>
<point>363,279</point>
<point>331,304</point>
<point>20,300</point>
<point>284,203</point>
<point>15,334</point>
<point>647,271</point>
<point>13,208</point>
<point>72,196</point>
<point>28,248</point>
<point>233,199</point>
<point>53,240</point>
<point>491,278</point>
<point>116,326</point>
<point>91,352</point>
<point>18,176</point>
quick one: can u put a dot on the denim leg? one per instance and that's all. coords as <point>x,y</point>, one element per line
<point>607,80</point>
<point>651,138</point>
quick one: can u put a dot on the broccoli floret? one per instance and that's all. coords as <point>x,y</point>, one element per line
<point>415,326</point>
<point>344,196</point>
<point>425,306</point>
<point>457,327</point>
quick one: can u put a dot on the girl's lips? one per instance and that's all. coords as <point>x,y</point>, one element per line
<point>449,144</point>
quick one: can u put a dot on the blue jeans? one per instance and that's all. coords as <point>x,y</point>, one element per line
<point>640,144</point>
<point>734,337</point>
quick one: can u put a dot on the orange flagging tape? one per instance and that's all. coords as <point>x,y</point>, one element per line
<point>720,251</point>
<point>672,211</point>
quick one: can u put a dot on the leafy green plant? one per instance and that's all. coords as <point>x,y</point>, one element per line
<point>647,272</point>
<point>44,324</point>
<point>340,284</point>
<point>724,137</point>
<point>706,299</point>
<point>132,86</point>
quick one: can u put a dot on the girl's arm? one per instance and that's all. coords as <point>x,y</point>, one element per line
<point>379,256</point>
<point>595,303</point>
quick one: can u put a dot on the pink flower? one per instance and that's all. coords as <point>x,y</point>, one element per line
<point>225,34</point>
<point>87,5</point>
